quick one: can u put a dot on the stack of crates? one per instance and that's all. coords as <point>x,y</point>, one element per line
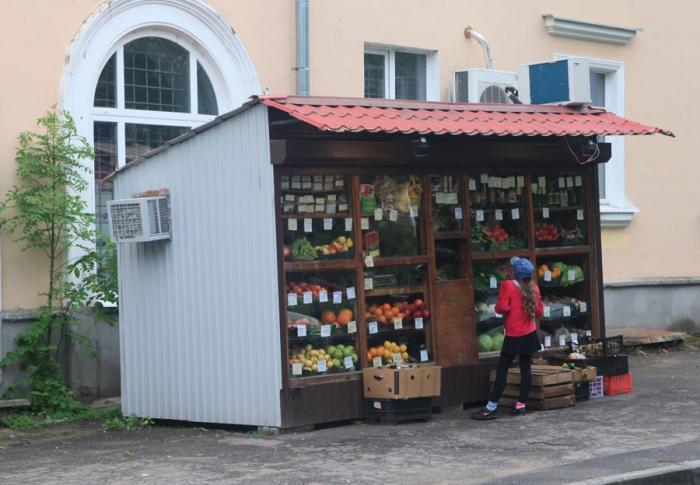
<point>596,388</point>
<point>621,384</point>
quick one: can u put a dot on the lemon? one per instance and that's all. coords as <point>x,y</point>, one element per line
<point>403,347</point>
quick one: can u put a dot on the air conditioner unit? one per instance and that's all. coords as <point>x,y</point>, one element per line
<point>483,86</point>
<point>139,220</point>
<point>565,81</point>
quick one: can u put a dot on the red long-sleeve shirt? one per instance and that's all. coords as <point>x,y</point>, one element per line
<point>510,304</point>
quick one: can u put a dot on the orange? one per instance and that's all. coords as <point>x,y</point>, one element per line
<point>386,307</point>
<point>369,356</point>
<point>378,312</point>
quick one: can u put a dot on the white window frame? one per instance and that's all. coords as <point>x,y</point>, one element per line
<point>432,68</point>
<point>615,209</point>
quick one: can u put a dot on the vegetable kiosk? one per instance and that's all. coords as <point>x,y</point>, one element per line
<point>311,237</point>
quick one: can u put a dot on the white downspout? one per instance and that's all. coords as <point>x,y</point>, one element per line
<point>488,58</point>
<point>302,27</point>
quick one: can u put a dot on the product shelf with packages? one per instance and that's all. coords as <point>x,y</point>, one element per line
<point>488,276</point>
<point>559,210</point>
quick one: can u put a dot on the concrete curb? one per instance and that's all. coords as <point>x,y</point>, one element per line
<point>686,473</point>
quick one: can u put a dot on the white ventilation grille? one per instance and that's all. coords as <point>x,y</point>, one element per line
<point>139,220</point>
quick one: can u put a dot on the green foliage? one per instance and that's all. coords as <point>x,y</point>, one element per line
<point>685,325</point>
<point>20,421</point>
<point>46,212</point>
<point>127,423</point>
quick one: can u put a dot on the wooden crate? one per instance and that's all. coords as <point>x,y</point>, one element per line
<point>542,375</point>
<point>540,392</point>
<point>552,388</point>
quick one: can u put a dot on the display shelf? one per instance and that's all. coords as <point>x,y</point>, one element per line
<point>400,260</point>
<point>395,290</point>
<point>294,340</point>
<point>320,264</point>
<point>450,235</point>
<point>538,208</point>
<point>311,380</point>
<point>317,215</point>
<point>404,332</point>
<point>489,255</point>
<point>335,190</point>
<point>561,251</point>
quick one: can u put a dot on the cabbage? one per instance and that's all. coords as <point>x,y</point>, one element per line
<point>485,343</point>
<point>498,341</point>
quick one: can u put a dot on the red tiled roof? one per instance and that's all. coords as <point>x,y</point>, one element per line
<point>344,115</point>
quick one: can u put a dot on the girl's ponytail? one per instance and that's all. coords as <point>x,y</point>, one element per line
<point>527,291</point>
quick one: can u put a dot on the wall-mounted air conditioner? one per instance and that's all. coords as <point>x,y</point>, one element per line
<point>141,219</point>
<point>483,86</point>
<point>565,81</point>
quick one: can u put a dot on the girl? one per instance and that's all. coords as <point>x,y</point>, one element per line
<point>520,303</point>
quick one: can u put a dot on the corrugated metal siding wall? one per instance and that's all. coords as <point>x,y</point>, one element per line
<point>199,316</point>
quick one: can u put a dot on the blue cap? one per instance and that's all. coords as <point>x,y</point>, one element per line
<point>522,267</point>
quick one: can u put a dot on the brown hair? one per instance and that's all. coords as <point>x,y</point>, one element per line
<point>527,291</point>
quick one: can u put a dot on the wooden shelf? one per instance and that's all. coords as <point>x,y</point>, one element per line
<point>441,235</point>
<point>395,290</point>
<point>317,338</point>
<point>400,260</point>
<point>538,210</point>
<point>334,190</point>
<point>320,265</point>
<point>491,255</point>
<point>561,251</point>
<point>308,380</point>
<point>316,215</point>
<point>382,334</point>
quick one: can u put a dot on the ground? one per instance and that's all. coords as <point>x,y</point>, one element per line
<point>658,424</point>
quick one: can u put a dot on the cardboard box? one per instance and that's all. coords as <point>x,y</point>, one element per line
<point>586,374</point>
<point>402,383</point>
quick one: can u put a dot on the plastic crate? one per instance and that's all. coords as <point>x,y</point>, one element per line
<point>618,384</point>
<point>605,347</point>
<point>607,366</point>
<point>596,388</point>
<point>394,411</point>
<point>583,391</point>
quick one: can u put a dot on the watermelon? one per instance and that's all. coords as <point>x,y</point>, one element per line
<point>485,343</point>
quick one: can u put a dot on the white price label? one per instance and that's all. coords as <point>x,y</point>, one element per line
<point>578,181</point>
<point>301,331</point>
<point>307,297</point>
<point>424,356</point>
<point>393,215</point>
<point>322,365</point>
<point>418,323</point>
<point>480,216</point>
<point>499,214</point>
<point>547,312</point>
<point>337,297</point>
<point>515,213</point>
<point>562,340</point>
<point>352,326</point>
<point>569,182</point>
<point>542,181</point>
<point>369,284</point>
<point>548,275</point>
<point>377,362</point>
<point>583,307</point>
<point>484,178</point>
<point>547,341</point>
<point>574,338</point>
<point>292,299</point>
<point>398,324</point>
<point>397,358</point>
<point>297,368</point>
<point>364,223</point>
<point>292,224</point>
<point>571,275</point>
<point>498,182</point>
<point>348,363</point>
<point>521,181</point>
<point>327,224</point>
<point>493,282</point>
<point>545,212</point>
<point>567,310</point>
<point>325,330</point>
<point>323,296</point>
<point>372,327</point>
<point>351,293</point>
<point>511,182</point>
<point>369,261</point>
<point>562,182</point>
<point>413,211</point>
<point>588,333</point>
<point>348,224</point>
<point>458,213</point>
<point>579,214</point>
<point>472,185</point>
<point>308,225</point>
<point>378,214</point>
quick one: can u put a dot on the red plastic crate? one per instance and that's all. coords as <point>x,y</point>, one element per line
<point>618,384</point>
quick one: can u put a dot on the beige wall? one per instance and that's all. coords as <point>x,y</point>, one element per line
<point>661,65</point>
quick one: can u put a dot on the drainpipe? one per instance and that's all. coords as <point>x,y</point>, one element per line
<point>302,68</point>
<point>488,58</point>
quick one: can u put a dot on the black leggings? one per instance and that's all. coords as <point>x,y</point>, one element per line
<point>502,374</point>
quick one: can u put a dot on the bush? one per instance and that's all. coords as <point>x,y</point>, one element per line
<point>685,325</point>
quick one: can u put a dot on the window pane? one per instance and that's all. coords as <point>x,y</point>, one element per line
<point>105,141</point>
<point>105,90</point>
<point>156,75</point>
<point>143,138</point>
<point>410,76</point>
<point>205,93</point>
<point>374,76</point>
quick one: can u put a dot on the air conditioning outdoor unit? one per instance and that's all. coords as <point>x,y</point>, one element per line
<point>483,86</point>
<point>565,81</point>
<point>141,219</point>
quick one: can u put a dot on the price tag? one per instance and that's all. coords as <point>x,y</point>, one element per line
<point>337,297</point>
<point>521,181</point>
<point>498,315</point>
<point>493,282</point>
<point>562,182</point>
<point>547,341</point>
<point>579,214</point>
<point>571,274</point>
<point>348,363</point>
<point>327,224</point>
<point>323,296</point>
<point>348,224</point>
<point>301,331</point>
<point>499,214</point>
<point>424,356</point>
<point>547,312</point>
<point>292,224</point>
<point>574,338</point>
<point>413,211</point>
<point>297,368</point>
<point>393,215</point>
<point>562,340</point>
<point>372,327</point>
<point>458,213</point>
<point>545,212</point>
<point>378,214</point>
<point>480,216</point>
<point>377,362</point>
<point>472,185</point>
<point>396,358</point>
<point>369,261</point>
<point>548,275</point>
<point>484,178</point>
<point>569,182</point>
<point>567,311</point>
<point>325,330</point>
<point>322,366</point>
<point>307,297</point>
<point>418,322</point>
<point>515,213</point>
<point>364,223</point>
<point>308,227</point>
<point>583,307</point>
<point>369,284</point>
<point>578,181</point>
<point>398,324</point>
<point>291,299</point>
<point>542,181</point>
<point>351,293</point>
<point>352,326</point>
<point>588,333</point>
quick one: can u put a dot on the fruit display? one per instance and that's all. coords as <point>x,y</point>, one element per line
<point>385,313</point>
<point>571,236</point>
<point>299,288</point>
<point>387,352</point>
<point>546,232</point>
<point>559,274</point>
<point>557,304</point>
<point>296,320</point>
<point>303,250</point>
<point>486,310</point>
<point>337,358</point>
<point>491,341</point>
<point>340,245</point>
<point>483,272</point>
